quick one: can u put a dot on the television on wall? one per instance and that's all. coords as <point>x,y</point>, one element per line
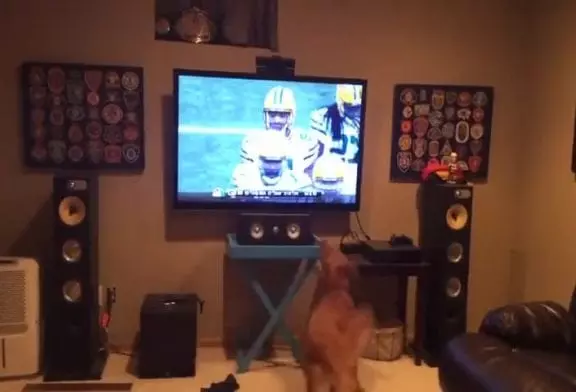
<point>251,142</point>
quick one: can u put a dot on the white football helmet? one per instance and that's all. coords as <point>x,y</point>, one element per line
<point>280,110</point>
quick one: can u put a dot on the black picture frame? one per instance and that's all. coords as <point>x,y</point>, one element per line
<point>435,115</point>
<point>83,117</point>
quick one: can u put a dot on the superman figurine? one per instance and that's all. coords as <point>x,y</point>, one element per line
<point>438,172</point>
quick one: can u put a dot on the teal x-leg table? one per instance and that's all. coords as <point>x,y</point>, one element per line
<point>308,256</point>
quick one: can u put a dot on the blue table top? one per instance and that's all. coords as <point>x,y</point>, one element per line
<point>278,252</point>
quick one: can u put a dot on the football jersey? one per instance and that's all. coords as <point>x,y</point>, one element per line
<point>346,143</point>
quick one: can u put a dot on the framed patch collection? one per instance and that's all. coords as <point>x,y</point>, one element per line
<point>83,117</point>
<point>429,122</point>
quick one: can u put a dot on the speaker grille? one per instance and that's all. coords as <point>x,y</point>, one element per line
<point>72,211</point>
<point>72,251</point>
<point>454,287</point>
<point>12,302</point>
<point>455,252</point>
<point>457,217</point>
<point>293,231</point>
<point>72,291</point>
<point>257,230</point>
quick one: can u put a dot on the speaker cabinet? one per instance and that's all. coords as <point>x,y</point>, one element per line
<point>274,229</point>
<point>73,346</point>
<point>445,214</point>
<point>168,335</point>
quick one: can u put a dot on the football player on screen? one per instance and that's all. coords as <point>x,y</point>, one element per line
<point>338,125</point>
<point>271,169</point>
<point>280,110</point>
<point>282,156</point>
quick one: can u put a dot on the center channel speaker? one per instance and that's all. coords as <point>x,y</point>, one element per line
<point>73,347</point>
<point>445,221</point>
<point>274,229</point>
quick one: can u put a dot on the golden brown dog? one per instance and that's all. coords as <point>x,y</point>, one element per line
<point>337,331</point>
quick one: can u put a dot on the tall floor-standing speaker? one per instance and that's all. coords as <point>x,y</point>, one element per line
<point>445,212</point>
<point>73,347</point>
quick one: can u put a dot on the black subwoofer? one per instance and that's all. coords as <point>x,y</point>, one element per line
<point>445,219</point>
<point>274,229</point>
<point>168,335</point>
<point>73,346</point>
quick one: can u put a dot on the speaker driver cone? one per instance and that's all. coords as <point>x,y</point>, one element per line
<point>457,217</point>
<point>72,211</point>
<point>455,252</point>
<point>453,287</point>
<point>293,231</point>
<point>256,231</point>
<point>71,251</point>
<point>72,291</point>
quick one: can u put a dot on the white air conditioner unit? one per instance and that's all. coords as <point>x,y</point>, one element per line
<point>19,317</point>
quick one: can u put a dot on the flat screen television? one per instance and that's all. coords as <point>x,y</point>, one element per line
<point>252,142</point>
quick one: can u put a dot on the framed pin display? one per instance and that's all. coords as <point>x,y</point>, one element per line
<point>430,122</point>
<point>234,23</point>
<point>83,117</point>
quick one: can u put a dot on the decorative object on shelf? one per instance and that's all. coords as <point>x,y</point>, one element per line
<point>195,26</point>
<point>250,23</point>
<point>83,117</point>
<point>430,122</point>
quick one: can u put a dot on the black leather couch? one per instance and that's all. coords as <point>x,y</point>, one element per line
<point>527,347</point>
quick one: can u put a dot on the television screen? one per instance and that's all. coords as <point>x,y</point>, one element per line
<point>251,142</point>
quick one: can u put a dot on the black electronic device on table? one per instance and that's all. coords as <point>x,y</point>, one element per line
<point>398,249</point>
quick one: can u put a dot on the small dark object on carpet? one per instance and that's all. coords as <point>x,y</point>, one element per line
<point>228,385</point>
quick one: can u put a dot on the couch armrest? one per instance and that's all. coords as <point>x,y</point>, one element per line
<point>465,363</point>
<point>535,325</point>
<point>475,362</point>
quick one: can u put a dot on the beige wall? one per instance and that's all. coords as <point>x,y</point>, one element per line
<point>441,41</point>
<point>548,184</point>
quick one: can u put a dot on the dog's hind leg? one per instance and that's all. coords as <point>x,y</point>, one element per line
<point>316,378</point>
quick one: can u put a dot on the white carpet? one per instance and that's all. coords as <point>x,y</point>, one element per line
<point>397,376</point>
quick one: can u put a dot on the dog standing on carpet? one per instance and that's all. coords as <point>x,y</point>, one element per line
<point>337,331</point>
